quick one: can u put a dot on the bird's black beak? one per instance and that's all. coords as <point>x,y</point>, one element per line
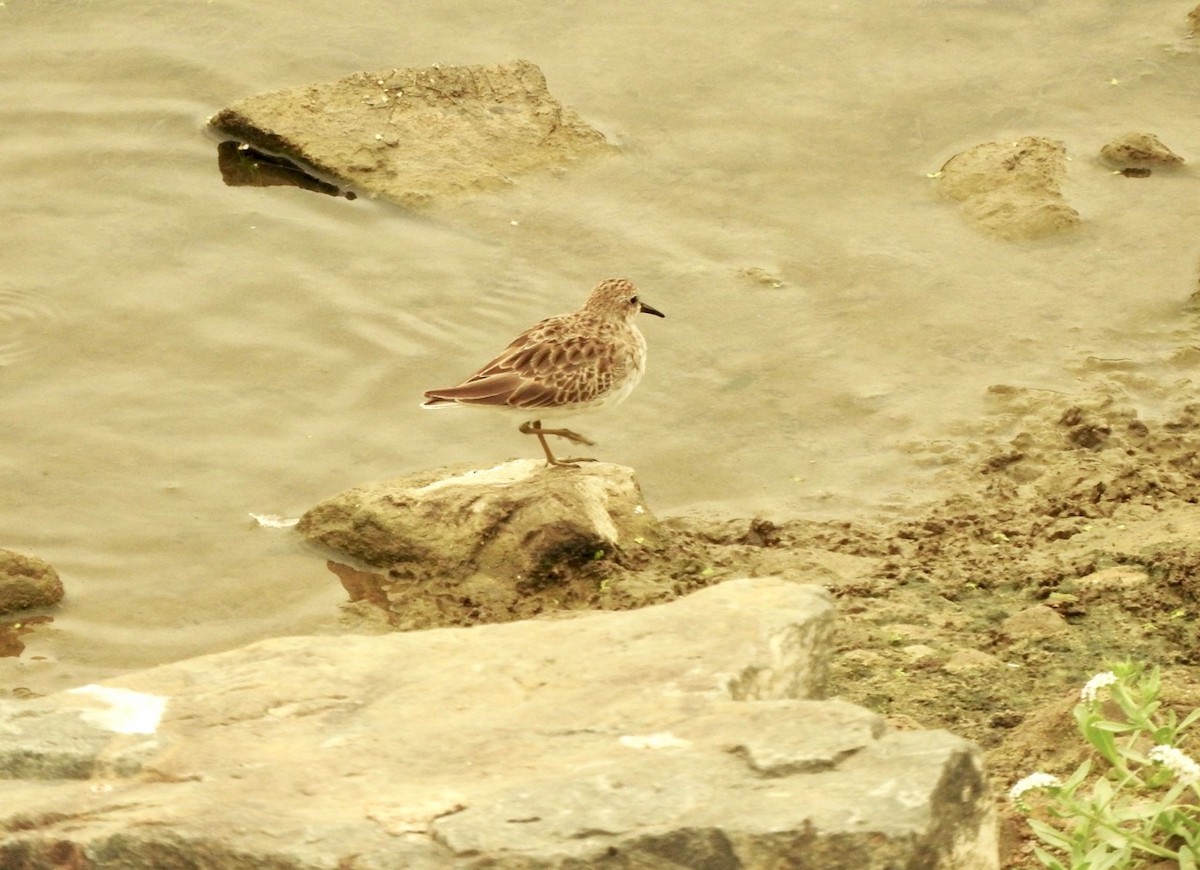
<point>646,309</point>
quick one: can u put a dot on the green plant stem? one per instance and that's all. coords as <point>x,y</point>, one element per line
<point>1138,841</point>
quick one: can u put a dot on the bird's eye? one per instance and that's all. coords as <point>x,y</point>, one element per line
<point>633,300</point>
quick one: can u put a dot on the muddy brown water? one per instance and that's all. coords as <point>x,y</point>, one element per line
<point>176,355</point>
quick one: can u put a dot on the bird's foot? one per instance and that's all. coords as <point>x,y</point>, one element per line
<point>535,428</point>
<point>573,462</point>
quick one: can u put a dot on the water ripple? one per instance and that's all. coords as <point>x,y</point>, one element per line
<point>27,320</point>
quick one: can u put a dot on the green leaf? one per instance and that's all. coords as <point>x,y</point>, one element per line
<point>1049,860</point>
<point>1105,744</point>
<point>1187,858</point>
<point>1072,782</point>
<point>1051,835</point>
<point>1113,727</point>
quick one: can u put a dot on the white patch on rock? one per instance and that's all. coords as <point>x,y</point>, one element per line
<point>128,712</point>
<point>498,475</point>
<point>661,740</point>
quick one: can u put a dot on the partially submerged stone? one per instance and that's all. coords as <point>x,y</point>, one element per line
<point>416,134</point>
<point>27,582</point>
<point>512,520</point>
<point>1011,189</point>
<point>487,545</point>
<point>1139,151</point>
<point>243,166</point>
<point>690,734</point>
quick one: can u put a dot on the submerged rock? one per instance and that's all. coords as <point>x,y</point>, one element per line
<point>1139,151</point>
<point>1011,189</point>
<point>416,134</point>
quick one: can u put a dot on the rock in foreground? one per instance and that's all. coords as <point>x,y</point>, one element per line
<point>677,736</point>
<point>413,135</point>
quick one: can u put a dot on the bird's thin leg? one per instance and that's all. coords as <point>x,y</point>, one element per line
<point>535,428</point>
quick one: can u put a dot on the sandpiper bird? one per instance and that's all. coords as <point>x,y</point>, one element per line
<point>573,362</point>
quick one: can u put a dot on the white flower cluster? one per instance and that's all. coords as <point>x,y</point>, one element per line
<point>1088,692</point>
<point>1031,782</point>
<point>1177,761</point>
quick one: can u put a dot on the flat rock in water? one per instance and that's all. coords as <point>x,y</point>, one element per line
<point>1011,189</point>
<point>417,134</point>
<point>684,735</point>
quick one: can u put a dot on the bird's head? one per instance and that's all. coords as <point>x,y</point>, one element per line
<point>617,298</point>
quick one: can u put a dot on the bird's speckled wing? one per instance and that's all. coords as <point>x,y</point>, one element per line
<point>544,367</point>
